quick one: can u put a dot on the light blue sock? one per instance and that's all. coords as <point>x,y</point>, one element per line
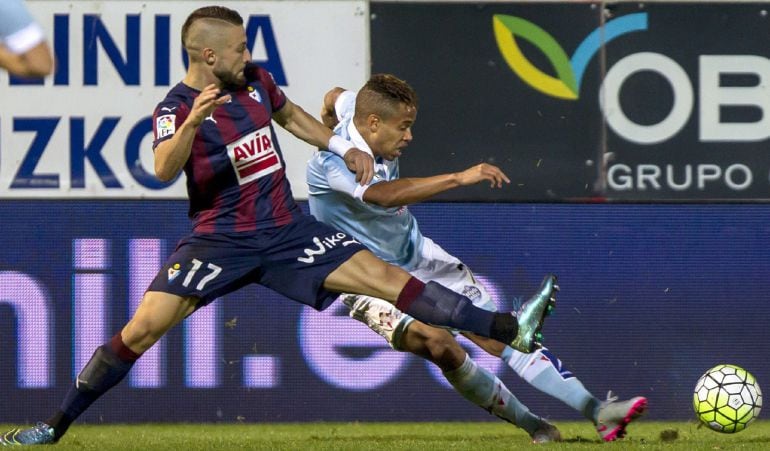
<point>484,389</point>
<point>544,371</point>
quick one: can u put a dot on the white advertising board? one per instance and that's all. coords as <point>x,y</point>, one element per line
<point>86,131</point>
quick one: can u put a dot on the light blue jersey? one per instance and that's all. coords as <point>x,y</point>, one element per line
<point>18,31</point>
<point>337,199</point>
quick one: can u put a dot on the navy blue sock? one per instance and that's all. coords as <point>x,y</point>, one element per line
<point>435,304</point>
<point>107,367</point>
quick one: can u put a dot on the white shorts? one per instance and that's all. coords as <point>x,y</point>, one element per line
<point>435,265</point>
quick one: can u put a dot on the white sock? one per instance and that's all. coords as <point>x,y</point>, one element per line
<point>544,371</point>
<point>484,389</point>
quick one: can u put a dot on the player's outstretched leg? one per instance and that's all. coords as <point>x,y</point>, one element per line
<point>544,371</point>
<point>613,416</point>
<point>532,314</point>
<point>473,382</point>
<point>40,434</point>
<point>486,390</point>
<point>433,303</point>
<point>107,367</point>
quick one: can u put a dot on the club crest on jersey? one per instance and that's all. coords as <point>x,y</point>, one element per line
<point>254,156</point>
<point>165,125</point>
<point>174,271</point>
<point>323,244</point>
<point>380,171</point>
<point>254,94</point>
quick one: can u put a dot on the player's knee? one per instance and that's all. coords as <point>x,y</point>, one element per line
<point>395,275</point>
<point>444,350</point>
<point>383,273</point>
<point>432,344</point>
<point>141,333</point>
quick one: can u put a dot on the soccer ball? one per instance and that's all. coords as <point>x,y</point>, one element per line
<point>727,398</point>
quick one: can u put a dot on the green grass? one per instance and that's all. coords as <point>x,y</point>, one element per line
<point>646,435</point>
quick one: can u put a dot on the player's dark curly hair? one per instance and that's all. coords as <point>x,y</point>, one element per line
<point>382,94</point>
<point>210,12</point>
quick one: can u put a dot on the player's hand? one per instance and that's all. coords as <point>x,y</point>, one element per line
<point>205,104</point>
<point>362,164</point>
<point>329,118</point>
<point>481,172</point>
<point>328,113</point>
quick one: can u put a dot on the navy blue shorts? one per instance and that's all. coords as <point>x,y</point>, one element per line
<point>293,260</point>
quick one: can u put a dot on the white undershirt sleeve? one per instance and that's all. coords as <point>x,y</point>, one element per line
<point>344,104</point>
<point>340,179</point>
<point>25,39</point>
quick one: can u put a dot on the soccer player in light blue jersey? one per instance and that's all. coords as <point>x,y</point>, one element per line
<point>378,119</point>
<point>23,48</point>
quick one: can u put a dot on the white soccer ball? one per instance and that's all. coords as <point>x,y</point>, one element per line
<point>727,398</point>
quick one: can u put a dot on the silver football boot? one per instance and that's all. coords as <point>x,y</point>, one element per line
<point>532,314</point>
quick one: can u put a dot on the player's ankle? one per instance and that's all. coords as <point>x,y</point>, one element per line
<point>504,327</point>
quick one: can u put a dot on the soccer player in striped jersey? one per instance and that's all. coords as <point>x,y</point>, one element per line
<point>216,125</point>
<point>378,119</point>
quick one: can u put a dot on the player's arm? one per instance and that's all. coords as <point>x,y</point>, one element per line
<point>328,112</point>
<point>417,189</point>
<point>307,128</point>
<point>35,62</point>
<point>172,154</point>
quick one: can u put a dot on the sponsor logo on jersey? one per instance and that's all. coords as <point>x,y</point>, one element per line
<point>254,156</point>
<point>471,292</point>
<point>323,244</point>
<point>165,125</point>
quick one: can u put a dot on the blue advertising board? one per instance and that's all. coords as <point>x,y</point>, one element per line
<point>652,296</point>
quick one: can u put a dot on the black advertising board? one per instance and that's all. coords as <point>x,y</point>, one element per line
<point>586,102</point>
<point>473,108</point>
<point>686,101</point>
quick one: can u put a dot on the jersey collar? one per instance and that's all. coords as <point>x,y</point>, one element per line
<point>357,139</point>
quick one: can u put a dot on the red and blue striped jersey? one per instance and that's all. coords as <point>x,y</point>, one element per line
<point>236,178</point>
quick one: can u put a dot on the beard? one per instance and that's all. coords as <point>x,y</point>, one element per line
<point>231,81</point>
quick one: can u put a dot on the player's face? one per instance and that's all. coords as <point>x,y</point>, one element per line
<point>393,134</point>
<point>232,58</point>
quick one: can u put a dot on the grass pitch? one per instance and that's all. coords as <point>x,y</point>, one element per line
<point>401,436</point>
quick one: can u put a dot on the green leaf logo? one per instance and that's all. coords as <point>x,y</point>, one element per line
<point>507,29</point>
<point>569,71</point>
